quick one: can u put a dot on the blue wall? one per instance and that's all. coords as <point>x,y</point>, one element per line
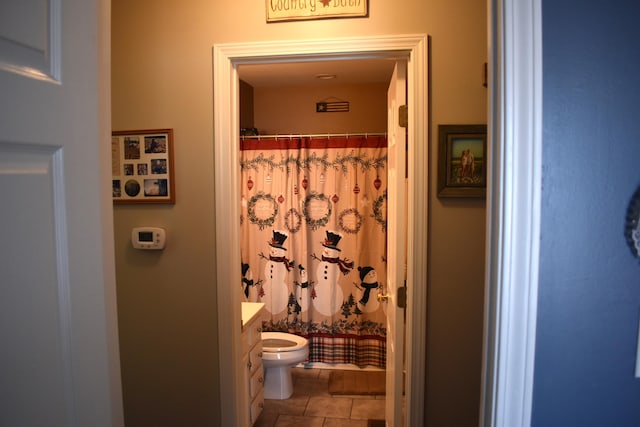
<point>589,294</point>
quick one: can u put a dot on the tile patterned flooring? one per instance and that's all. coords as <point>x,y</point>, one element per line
<point>311,405</point>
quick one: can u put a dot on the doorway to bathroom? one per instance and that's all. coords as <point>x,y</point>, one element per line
<point>228,60</point>
<point>314,195</point>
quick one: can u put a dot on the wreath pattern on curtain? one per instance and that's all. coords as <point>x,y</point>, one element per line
<point>314,241</point>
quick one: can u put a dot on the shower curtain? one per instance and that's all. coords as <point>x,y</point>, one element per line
<point>313,229</point>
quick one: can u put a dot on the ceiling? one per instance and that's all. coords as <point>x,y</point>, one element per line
<point>354,71</point>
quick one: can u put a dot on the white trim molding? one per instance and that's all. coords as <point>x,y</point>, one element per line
<point>513,217</point>
<point>226,58</point>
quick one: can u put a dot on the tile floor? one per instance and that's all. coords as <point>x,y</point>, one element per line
<point>311,405</point>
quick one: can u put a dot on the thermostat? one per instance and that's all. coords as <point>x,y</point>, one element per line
<point>148,238</point>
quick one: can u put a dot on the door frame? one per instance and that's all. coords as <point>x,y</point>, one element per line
<point>226,59</point>
<point>513,211</point>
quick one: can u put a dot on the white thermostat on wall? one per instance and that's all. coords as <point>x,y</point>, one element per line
<point>152,238</point>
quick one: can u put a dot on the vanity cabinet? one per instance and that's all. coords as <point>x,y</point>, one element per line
<point>253,374</point>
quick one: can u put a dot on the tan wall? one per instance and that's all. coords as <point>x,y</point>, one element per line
<point>292,109</point>
<point>162,77</point>
<point>246,105</point>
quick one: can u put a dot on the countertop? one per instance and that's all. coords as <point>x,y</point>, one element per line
<point>250,310</point>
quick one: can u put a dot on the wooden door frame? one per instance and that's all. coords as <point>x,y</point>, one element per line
<point>226,58</point>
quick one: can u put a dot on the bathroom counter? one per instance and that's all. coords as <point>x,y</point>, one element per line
<point>249,311</point>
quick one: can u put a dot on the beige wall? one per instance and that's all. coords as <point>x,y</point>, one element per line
<point>292,109</point>
<point>246,105</point>
<point>162,77</point>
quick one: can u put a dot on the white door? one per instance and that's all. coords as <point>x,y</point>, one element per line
<point>396,244</point>
<point>59,361</point>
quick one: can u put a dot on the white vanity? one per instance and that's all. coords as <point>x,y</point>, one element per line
<point>253,381</point>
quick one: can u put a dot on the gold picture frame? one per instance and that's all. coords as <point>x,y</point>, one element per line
<point>142,166</point>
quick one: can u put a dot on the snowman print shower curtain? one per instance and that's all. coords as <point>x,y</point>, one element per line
<point>313,244</point>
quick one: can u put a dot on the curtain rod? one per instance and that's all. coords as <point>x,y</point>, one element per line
<point>313,135</point>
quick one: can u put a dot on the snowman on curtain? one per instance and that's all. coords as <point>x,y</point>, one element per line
<point>368,282</point>
<point>276,291</point>
<point>329,295</point>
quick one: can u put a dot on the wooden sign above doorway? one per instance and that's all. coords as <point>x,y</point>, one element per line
<point>298,10</point>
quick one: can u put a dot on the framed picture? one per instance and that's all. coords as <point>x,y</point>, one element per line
<point>462,155</point>
<point>142,166</point>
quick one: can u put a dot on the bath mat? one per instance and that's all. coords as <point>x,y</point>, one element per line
<point>357,382</point>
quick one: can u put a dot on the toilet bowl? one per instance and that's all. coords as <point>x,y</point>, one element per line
<point>281,352</point>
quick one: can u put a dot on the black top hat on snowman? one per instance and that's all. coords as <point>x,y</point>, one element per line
<point>278,240</point>
<point>332,241</point>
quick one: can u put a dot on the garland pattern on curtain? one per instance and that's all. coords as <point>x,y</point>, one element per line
<point>314,241</point>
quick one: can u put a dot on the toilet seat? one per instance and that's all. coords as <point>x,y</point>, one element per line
<point>280,352</point>
<point>278,342</point>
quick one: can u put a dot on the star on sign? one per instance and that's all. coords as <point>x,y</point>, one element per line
<point>325,3</point>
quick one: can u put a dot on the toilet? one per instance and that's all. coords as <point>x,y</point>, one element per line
<point>280,352</point>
